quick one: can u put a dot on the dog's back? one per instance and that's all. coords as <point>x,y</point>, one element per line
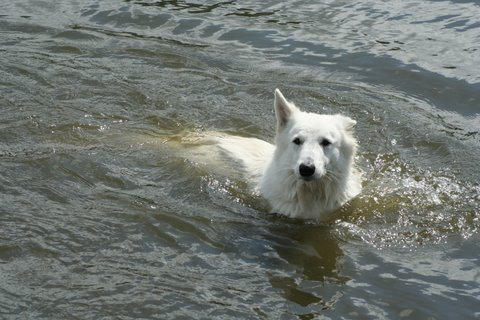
<point>251,153</point>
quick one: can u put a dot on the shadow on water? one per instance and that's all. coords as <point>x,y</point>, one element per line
<point>315,253</point>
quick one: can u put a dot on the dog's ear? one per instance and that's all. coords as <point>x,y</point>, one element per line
<point>348,123</point>
<point>283,110</point>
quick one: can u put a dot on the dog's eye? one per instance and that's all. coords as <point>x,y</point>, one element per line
<point>297,141</point>
<point>325,143</point>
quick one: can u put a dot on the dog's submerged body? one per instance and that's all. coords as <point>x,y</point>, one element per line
<point>309,172</point>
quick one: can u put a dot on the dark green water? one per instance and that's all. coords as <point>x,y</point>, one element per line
<point>100,219</point>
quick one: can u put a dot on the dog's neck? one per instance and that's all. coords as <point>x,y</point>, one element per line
<point>306,199</point>
<point>324,192</point>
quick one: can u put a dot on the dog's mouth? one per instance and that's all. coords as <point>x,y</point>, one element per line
<point>317,176</point>
<point>311,178</point>
<point>307,179</point>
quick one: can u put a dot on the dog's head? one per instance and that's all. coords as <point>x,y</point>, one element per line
<point>313,145</point>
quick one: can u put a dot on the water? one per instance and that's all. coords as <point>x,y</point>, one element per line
<point>101,219</point>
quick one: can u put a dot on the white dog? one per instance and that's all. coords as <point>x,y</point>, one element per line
<point>309,172</point>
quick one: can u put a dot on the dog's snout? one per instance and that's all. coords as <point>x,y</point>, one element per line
<point>306,170</point>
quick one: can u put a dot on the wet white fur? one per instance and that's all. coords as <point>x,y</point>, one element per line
<point>274,169</point>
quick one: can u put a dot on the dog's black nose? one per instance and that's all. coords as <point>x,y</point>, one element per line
<point>306,171</point>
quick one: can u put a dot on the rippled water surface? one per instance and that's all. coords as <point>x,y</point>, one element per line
<point>100,218</point>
